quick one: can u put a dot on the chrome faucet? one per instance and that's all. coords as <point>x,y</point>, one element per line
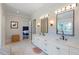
<point>63,37</point>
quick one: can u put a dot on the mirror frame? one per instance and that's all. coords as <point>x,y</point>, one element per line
<point>72,24</point>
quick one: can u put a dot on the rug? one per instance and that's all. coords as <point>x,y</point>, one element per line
<point>37,50</point>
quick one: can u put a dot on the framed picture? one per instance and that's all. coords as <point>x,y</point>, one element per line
<point>14,25</point>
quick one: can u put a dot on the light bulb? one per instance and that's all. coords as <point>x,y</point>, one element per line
<point>41,17</point>
<point>38,24</point>
<point>55,12</point>
<point>46,15</point>
<point>51,22</point>
<point>73,6</point>
<point>68,7</point>
<point>63,9</point>
<point>59,10</point>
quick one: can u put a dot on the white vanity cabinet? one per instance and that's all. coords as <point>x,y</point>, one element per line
<point>52,47</point>
<point>49,47</point>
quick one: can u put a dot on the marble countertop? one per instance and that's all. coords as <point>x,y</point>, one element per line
<point>66,43</point>
<point>62,42</point>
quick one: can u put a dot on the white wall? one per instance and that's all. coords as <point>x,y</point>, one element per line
<point>0,23</point>
<point>52,30</point>
<point>22,21</point>
<point>3,29</point>
<point>2,26</point>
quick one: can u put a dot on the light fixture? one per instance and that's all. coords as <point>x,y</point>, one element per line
<point>68,7</point>
<point>63,9</point>
<point>46,15</point>
<point>73,6</point>
<point>38,24</point>
<point>59,10</point>
<point>41,17</point>
<point>51,22</point>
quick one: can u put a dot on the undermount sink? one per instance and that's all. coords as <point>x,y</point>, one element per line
<point>63,42</point>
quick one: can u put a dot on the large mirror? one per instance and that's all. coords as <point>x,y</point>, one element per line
<point>44,25</point>
<point>65,23</point>
<point>34,26</point>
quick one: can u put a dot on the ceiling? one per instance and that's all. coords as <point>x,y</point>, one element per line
<point>30,8</point>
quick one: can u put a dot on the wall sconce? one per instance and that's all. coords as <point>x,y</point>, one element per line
<point>51,22</point>
<point>38,24</point>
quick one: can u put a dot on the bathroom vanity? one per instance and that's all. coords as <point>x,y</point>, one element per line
<point>53,46</point>
<point>49,40</point>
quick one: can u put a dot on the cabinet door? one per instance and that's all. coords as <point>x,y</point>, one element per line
<point>44,48</point>
<point>36,41</point>
<point>44,44</point>
<point>74,51</point>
